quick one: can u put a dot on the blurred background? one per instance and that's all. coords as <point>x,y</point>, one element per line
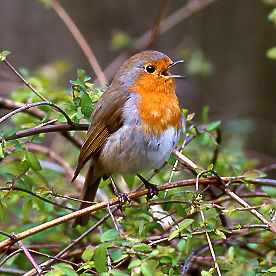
<point>224,43</point>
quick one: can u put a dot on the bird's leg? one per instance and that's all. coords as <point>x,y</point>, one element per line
<point>123,197</point>
<point>151,187</point>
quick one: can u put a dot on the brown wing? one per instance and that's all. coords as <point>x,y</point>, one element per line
<point>105,120</point>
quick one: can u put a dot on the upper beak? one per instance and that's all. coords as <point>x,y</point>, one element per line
<point>176,76</point>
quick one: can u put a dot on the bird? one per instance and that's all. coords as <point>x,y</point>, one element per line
<point>134,126</point>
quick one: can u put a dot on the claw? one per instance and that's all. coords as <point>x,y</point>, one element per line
<point>152,188</point>
<point>123,197</point>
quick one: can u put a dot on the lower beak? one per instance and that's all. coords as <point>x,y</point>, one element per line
<point>176,76</point>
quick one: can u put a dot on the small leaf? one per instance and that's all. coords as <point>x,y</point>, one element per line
<point>185,223</point>
<point>117,255</point>
<point>33,161</point>
<point>4,54</point>
<point>142,247</point>
<point>147,269</point>
<point>2,210</point>
<point>66,269</point>
<point>173,234</point>
<point>214,125</point>
<point>134,264</point>
<point>24,166</point>
<point>272,269</point>
<point>190,117</point>
<point>1,151</point>
<point>86,106</point>
<point>204,114</point>
<point>251,174</point>
<point>269,190</point>
<point>210,167</point>
<point>271,53</point>
<point>272,16</point>
<point>87,255</point>
<point>220,233</point>
<point>100,258</point>
<point>109,235</point>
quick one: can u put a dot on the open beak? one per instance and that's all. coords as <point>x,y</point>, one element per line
<point>176,76</point>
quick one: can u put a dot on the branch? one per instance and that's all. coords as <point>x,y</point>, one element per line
<point>8,104</point>
<point>24,81</point>
<point>115,201</point>
<point>45,129</point>
<point>29,256</point>
<point>37,196</point>
<point>81,41</point>
<point>172,20</point>
<point>28,106</point>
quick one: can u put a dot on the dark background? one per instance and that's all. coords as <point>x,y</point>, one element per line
<point>233,35</point>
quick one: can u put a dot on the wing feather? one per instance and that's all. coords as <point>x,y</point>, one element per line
<point>106,119</point>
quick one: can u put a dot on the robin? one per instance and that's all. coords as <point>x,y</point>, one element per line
<point>135,124</point>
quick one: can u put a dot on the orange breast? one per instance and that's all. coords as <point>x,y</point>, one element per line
<point>158,107</point>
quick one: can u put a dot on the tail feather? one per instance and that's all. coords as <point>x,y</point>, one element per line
<point>88,193</point>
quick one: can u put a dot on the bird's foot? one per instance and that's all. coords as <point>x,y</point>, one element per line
<point>152,188</point>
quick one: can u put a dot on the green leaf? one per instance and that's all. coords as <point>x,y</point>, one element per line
<point>86,106</point>
<point>173,234</point>
<point>24,166</point>
<point>214,125</point>
<point>27,207</point>
<point>114,272</point>
<point>269,190</point>
<point>251,174</point>
<point>271,53</point>
<point>272,16</point>
<point>4,54</point>
<point>110,235</point>
<point>210,167</point>
<point>185,223</point>
<point>87,254</point>
<point>147,269</point>
<point>1,151</point>
<point>134,264</point>
<point>220,233</point>
<point>66,269</point>
<point>141,247</point>
<point>33,161</point>
<point>2,210</point>
<point>117,255</point>
<point>272,269</point>
<point>204,114</point>
<point>100,258</point>
<point>190,117</point>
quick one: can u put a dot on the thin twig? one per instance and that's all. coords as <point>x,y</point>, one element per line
<point>28,106</point>
<point>81,41</point>
<point>206,233</point>
<point>46,129</point>
<point>172,20</point>
<point>31,259</point>
<point>37,196</point>
<point>162,12</point>
<point>211,246</point>
<point>24,81</point>
<point>8,104</point>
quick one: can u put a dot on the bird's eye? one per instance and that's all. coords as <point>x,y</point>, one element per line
<point>150,69</point>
